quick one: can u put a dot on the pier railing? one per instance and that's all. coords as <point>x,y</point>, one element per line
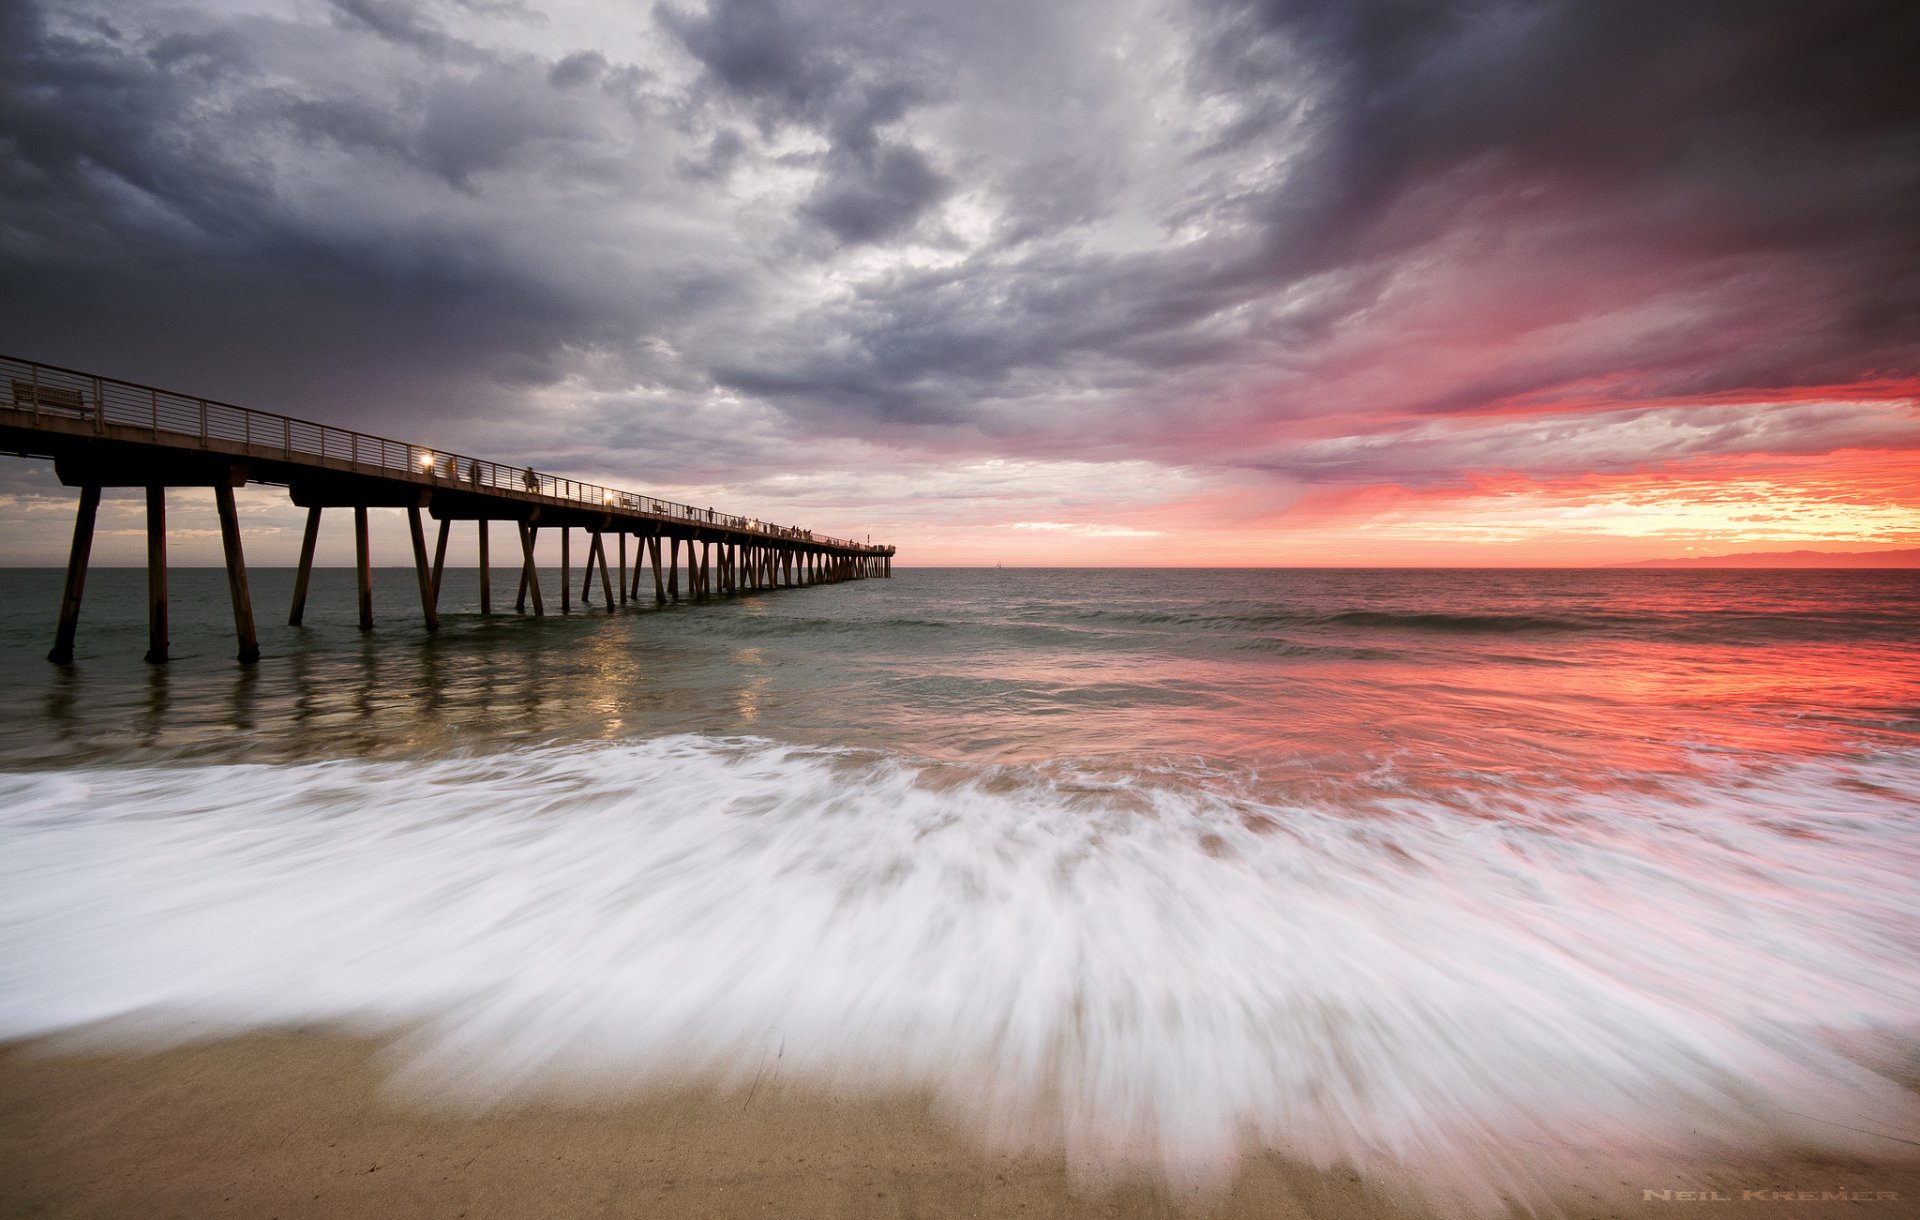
<point>50,392</point>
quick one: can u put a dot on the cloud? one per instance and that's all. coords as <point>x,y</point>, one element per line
<point>1300,241</point>
<point>1559,445</point>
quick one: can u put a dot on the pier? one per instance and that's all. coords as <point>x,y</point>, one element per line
<point>102,432</point>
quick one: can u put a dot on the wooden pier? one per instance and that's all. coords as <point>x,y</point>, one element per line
<point>101,432</point>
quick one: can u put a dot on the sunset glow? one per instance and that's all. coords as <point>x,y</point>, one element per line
<point>1165,284</point>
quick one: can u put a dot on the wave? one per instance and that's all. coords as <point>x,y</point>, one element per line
<point>1476,624</point>
<point>1380,619</point>
<point>1720,626</point>
<point>1161,967</point>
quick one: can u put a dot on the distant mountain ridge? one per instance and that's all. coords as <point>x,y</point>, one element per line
<point>1908,557</point>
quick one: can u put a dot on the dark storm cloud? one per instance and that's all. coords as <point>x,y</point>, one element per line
<point>1058,230</point>
<point>807,69</point>
<point>1717,137</point>
<point>157,207</point>
<point>1743,145</point>
<point>1729,127</point>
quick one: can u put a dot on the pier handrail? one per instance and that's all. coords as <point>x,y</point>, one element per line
<point>47,391</point>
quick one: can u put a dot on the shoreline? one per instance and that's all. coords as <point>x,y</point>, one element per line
<point>295,1124</point>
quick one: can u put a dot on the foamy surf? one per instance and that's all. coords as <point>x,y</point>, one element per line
<point>1160,968</point>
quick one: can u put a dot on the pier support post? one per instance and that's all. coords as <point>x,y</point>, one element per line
<point>566,569</point>
<point>526,561</point>
<point>237,590</point>
<point>439,560</point>
<point>156,575</point>
<point>83,520</point>
<point>304,575</point>
<point>623,566</point>
<point>363,565</point>
<point>606,578</point>
<point>673,569</point>
<point>486,572</point>
<point>596,560</point>
<point>659,586</point>
<point>421,571</point>
<point>529,574</point>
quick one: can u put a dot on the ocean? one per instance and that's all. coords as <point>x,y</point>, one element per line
<point>1465,877</point>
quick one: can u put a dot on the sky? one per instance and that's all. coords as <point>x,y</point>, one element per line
<point>1208,283</point>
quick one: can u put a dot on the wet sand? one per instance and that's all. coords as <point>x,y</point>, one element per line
<point>300,1124</point>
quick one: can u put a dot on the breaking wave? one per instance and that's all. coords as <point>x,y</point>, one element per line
<point>1160,967</point>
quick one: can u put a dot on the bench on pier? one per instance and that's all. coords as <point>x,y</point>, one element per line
<point>30,397</point>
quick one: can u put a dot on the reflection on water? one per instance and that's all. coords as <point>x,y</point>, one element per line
<point>1551,675</point>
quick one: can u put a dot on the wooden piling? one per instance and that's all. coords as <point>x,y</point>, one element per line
<point>156,575</point>
<point>529,573</point>
<point>566,568</point>
<point>439,560</point>
<point>363,563</point>
<point>422,571</point>
<point>526,562</point>
<point>659,585</point>
<point>673,569</point>
<point>623,566</point>
<point>304,574</point>
<point>606,581</point>
<point>237,590</point>
<point>83,520</point>
<point>486,575</point>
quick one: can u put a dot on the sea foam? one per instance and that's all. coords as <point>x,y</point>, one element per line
<point>1159,967</point>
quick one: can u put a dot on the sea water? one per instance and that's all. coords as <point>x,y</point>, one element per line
<point>1465,878</point>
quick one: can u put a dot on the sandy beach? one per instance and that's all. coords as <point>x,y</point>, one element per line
<point>301,1124</point>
